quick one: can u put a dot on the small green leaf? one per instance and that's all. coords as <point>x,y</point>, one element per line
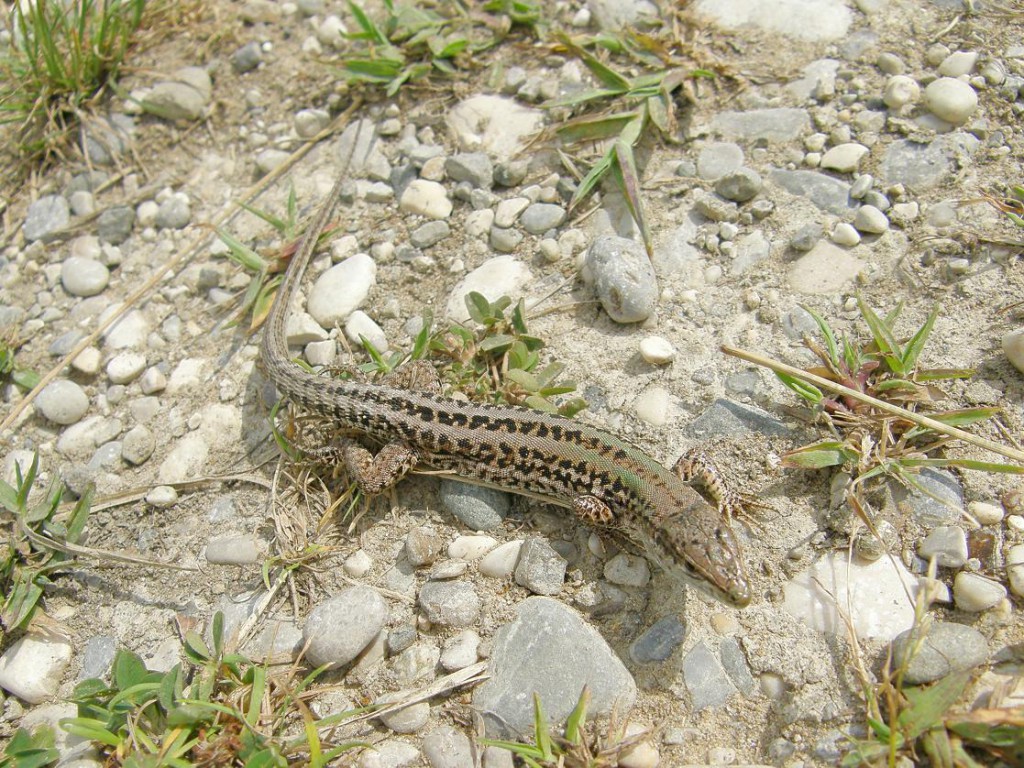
<point>916,344</point>
<point>129,670</point>
<point>808,392</point>
<point>819,455</point>
<point>538,403</point>
<point>577,718</point>
<point>497,344</point>
<point>928,704</point>
<point>524,379</point>
<point>478,306</point>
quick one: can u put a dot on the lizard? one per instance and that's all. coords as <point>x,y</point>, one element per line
<point>607,482</point>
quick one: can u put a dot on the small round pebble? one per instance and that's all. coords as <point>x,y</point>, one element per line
<point>427,198</point>
<point>162,497</point>
<point>740,185</point>
<point>627,570</point>
<point>844,158</point>
<point>958,63</point>
<point>471,548</point>
<point>407,719</point>
<point>974,593</point>
<point>657,350</point>
<point>450,603</point>
<point>83,277</point>
<point>643,754</point>
<point>126,367</point>
<point>870,220</point>
<point>947,647</point>
<point>900,90</point>
<point>985,513</point>
<point>357,564</point>
<point>541,217</point>
<point>63,402</point>
<point>951,100</point>
<point>1015,569</point>
<point>422,546</point>
<point>460,651</point>
<point>845,234</point>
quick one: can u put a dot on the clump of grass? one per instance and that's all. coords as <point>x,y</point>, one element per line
<point>219,708</point>
<point>497,362</point>
<point>32,548</point>
<point>62,56</point>
<point>413,42</point>
<point>868,440</point>
<point>9,369</point>
<point>575,747</point>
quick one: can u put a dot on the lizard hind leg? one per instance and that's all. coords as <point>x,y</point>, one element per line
<point>375,473</point>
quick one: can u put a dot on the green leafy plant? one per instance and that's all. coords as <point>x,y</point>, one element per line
<point>640,103</point>
<point>62,56</point>
<point>575,747</point>
<point>9,369</point>
<point>412,41</point>
<point>259,295</point>
<point>496,362</point>
<point>868,441</point>
<point>219,708</point>
<point>32,549</point>
<point>30,750</point>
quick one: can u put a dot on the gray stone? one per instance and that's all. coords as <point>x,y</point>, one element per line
<point>505,240</point>
<point>174,212</point>
<point>715,208</point>
<point>870,220</point>
<point>511,173</point>
<point>175,101</point>
<point>659,641</point>
<point>717,159</point>
<point>740,185</point>
<point>725,418</point>
<point>114,225</point>
<point>401,638</point>
<point>338,629</point>
<point>623,278</point>
<point>806,237</point>
<point>944,648</point>
<point>407,719</point>
<point>98,656</point>
<point>479,508</point>
<point>923,166</point>
<point>450,603</point>
<point>947,544</point>
<point>541,217</point>
<point>429,234</point>
<point>774,125</point>
<point>235,550</point>
<point>460,651</point>
<point>540,569</point>
<point>474,167</point>
<point>447,747</point>
<point>828,194</point>
<point>45,215</point>
<point>736,667</point>
<point>247,58</point>
<point>706,679</point>
<point>942,503</point>
<point>549,649</point>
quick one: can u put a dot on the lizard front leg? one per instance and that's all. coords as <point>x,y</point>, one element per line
<point>375,473</point>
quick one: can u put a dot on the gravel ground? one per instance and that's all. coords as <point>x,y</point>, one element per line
<point>843,148</point>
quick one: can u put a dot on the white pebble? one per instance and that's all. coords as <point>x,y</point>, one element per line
<point>83,277</point>
<point>657,350</point>
<point>1015,569</point>
<point>332,32</point>
<point>900,90</point>
<point>958,63</point>
<point>643,754</point>
<point>361,326</point>
<point>1013,348</point>
<point>974,593</point>
<point>152,381</point>
<point>162,497</point>
<point>357,564</point>
<point>845,234</point>
<point>32,668</point>
<point>844,158</point>
<point>471,547</point>
<point>627,570</point>
<point>426,198</point>
<point>87,361</point>
<point>951,100</point>
<point>63,402</point>
<point>985,513</point>
<point>652,406</point>
<point>126,367</point>
<point>341,289</point>
<point>870,220</point>
<point>501,561</point>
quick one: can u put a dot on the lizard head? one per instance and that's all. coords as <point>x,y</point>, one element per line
<point>697,546</point>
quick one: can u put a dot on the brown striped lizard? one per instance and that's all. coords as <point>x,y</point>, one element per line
<point>608,483</point>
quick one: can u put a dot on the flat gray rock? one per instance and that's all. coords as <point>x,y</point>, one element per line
<point>549,649</point>
<point>774,124</point>
<point>923,166</point>
<point>825,192</point>
<point>808,20</point>
<point>947,647</point>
